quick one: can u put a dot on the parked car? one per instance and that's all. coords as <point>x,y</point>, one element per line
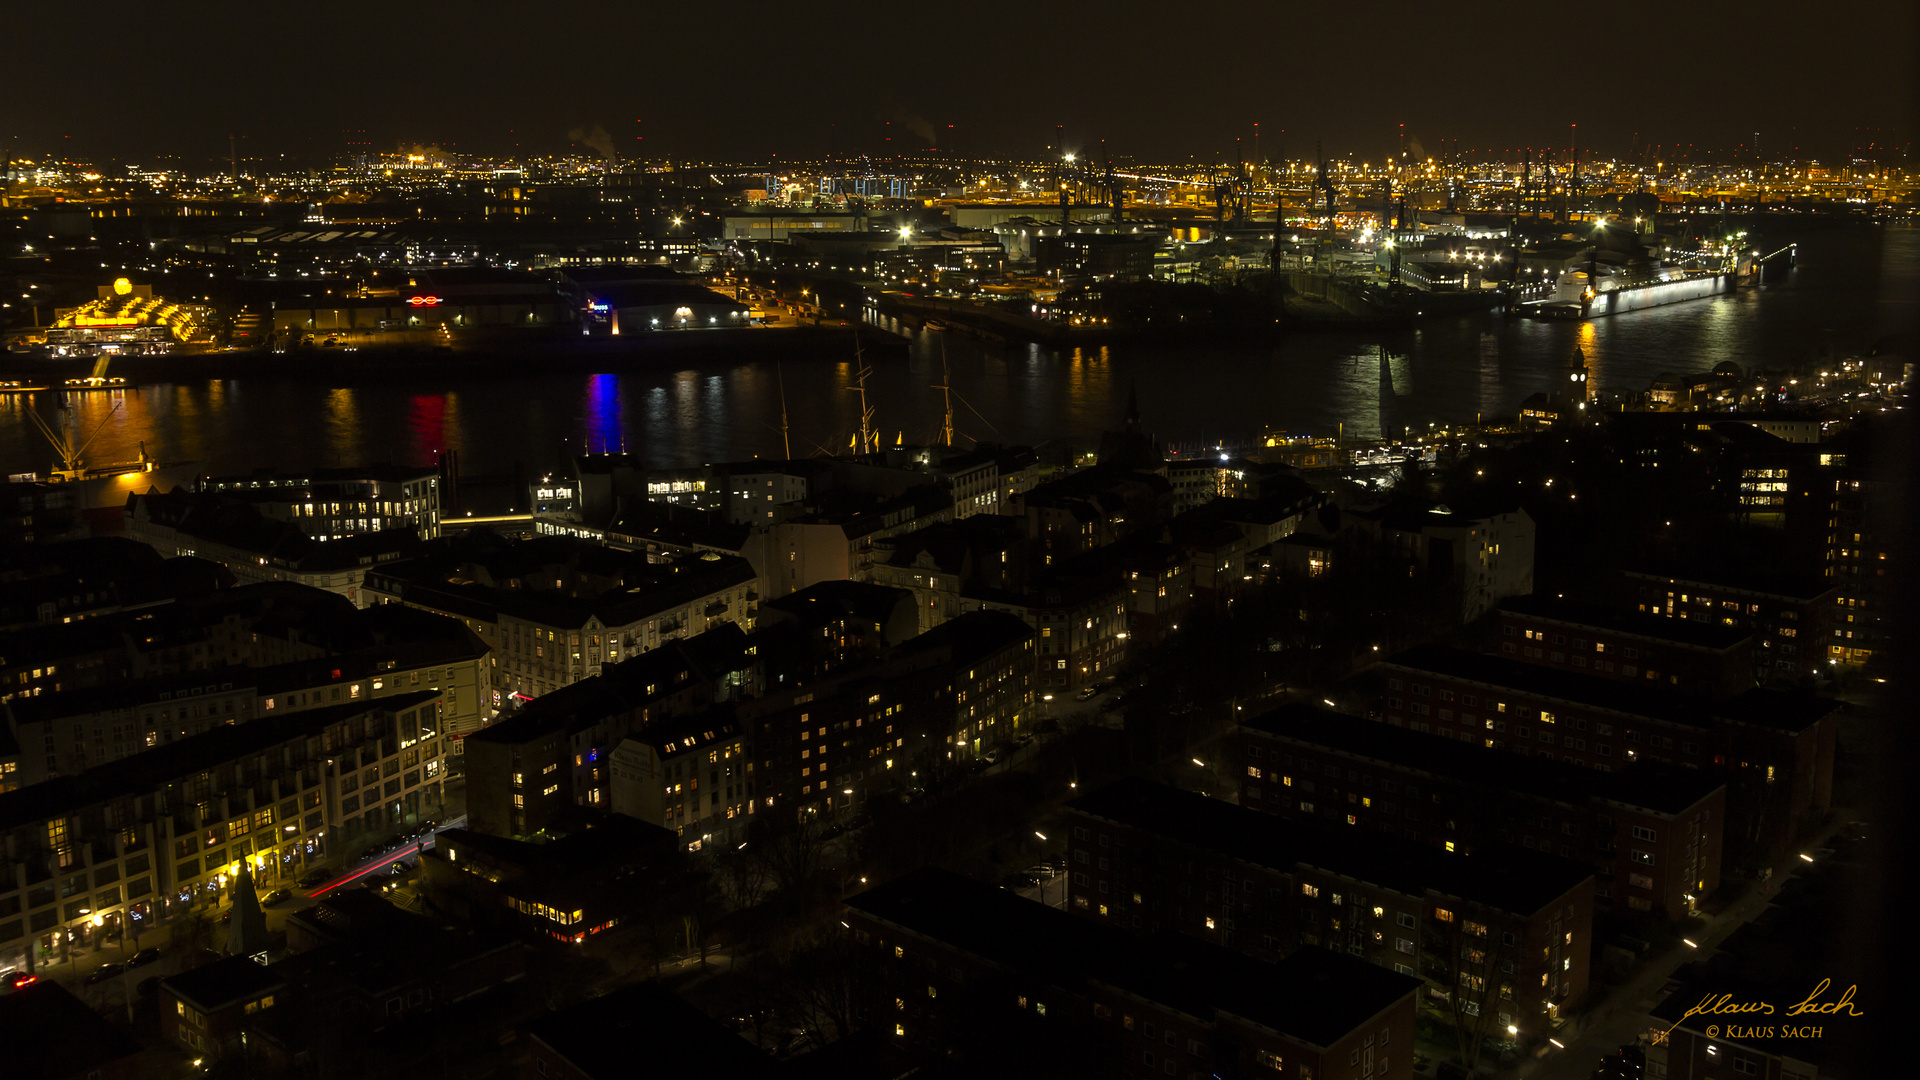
<point>313,877</point>
<point>1018,881</point>
<point>1086,693</point>
<point>1043,871</point>
<point>15,980</point>
<point>401,870</point>
<point>143,958</point>
<point>992,756</point>
<point>277,896</point>
<point>104,972</point>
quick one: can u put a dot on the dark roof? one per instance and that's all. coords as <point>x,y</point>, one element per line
<point>223,983</point>
<point>863,1055</point>
<point>623,686</point>
<point>1419,516</point>
<point>830,600</point>
<point>1509,878</point>
<point>613,841</point>
<point>47,1032</point>
<point>1785,586</point>
<point>1318,995</point>
<point>453,574</point>
<point>1782,710</point>
<point>1552,683</point>
<point>1696,635</point>
<point>346,474</point>
<point>1313,995</point>
<point>132,692</point>
<point>973,635</point>
<point>657,293</point>
<point>1667,789</point>
<point>608,1037</point>
<point>144,771</point>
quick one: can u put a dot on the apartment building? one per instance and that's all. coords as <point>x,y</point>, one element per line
<point>534,767</point>
<point>328,504</point>
<point>1651,832</point>
<point>120,847</point>
<point>1791,618</point>
<point>1509,931</point>
<point>557,609</point>
<point>1774,748</point>
<point>1702,659</point>
<point>256,548</point>
<point>977,976</point>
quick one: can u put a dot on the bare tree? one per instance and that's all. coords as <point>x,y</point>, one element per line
<point>791,849</point>
<point>1474,967</point>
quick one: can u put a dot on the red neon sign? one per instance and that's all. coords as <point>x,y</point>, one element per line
<point>424,301</point>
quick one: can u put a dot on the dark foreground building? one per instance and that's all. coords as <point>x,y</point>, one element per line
<point>999,985</point>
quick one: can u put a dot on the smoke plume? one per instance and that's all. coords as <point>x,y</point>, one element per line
<point>904,117</point>
<point>595,137</point>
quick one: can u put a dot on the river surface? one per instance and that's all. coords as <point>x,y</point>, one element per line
<point>1851,288</point>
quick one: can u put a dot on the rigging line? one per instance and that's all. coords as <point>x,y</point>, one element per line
<point>102,426</point>
<point>977,412</point>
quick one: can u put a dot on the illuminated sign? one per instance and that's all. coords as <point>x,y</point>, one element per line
<point>599,306</point>
<point>96,320</point>
<point>424,301</point>
<point>675,487</point>
<point>122,286</point>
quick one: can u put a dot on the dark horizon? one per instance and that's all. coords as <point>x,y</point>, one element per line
<point>994,81</point>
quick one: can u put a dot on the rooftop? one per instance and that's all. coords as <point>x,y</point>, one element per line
<point>144,771</point>
<point>48,1032</point>
<point>1696,635</point>
<point>1508,878</point>
<point>1552,683</point>
<point>223,983</point>
<point>1667,789</point>
<point>828,601</point>
<point>1782,710</point>
<point>611,1036</point>
<point>1314,995</point>
<point>1783,586</point>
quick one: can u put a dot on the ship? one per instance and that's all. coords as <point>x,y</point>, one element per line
<point>1623,274</point>
<point>98,493</point>
<point>1586,294</point>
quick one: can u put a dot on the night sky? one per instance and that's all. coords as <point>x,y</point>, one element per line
<point>741,80</point>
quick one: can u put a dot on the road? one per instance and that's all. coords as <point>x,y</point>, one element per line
<point>1624,1016</point>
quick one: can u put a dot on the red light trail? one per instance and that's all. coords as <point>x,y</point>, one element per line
<point>412,849</point>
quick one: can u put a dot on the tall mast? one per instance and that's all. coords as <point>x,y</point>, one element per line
<point>786,443</point>
<point>860,377</point>
<point>945,385</point>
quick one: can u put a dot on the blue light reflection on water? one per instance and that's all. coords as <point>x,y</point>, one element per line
<point>1851,289</point>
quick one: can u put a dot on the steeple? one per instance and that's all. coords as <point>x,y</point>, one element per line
<point>1577,379</point>
<point>247,933</point>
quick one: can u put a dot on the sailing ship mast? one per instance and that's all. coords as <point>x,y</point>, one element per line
<point>861,372</point>
<point>945,386</point>
<point>786,443</point>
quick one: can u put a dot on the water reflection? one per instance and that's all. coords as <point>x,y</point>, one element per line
<point>342,426</point>
<point>725,405</point>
